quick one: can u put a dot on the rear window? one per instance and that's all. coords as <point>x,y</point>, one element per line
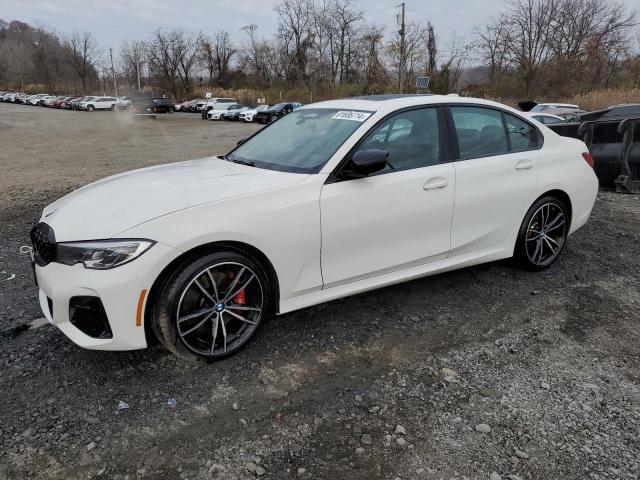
<point>480,132</point>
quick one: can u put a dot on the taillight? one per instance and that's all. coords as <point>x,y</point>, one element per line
<point>588,158</point>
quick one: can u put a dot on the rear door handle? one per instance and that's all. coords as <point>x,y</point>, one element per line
<point>435,183</point>
<point>524,165</point>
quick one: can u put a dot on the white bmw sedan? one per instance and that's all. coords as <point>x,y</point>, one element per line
<point>336,198</point>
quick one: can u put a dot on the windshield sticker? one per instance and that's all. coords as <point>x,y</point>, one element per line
<point>351,115</point>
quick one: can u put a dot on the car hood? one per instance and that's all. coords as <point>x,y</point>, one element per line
<point>108,207</point>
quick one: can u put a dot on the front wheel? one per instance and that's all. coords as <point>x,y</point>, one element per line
<point>543,234</point>
<point>91,108</point>
<point>211,306</point>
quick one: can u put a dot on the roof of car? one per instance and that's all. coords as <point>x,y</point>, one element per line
<point>382,98</point>
<point>383,104</point>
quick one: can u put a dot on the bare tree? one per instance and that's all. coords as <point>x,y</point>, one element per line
<point>374,69</point>
<point>132,61</point>
<point>187,50</point>
<point>492,42</point>
<point>530,24</point>
<point>296,36</point>
<point>82,51</point>
<point>258,56</point>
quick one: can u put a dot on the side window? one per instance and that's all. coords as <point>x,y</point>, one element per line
<point>480,132</point>
<point>412,139</point>
<point>522,135</point>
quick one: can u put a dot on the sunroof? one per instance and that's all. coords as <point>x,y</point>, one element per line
<point>381,98</point>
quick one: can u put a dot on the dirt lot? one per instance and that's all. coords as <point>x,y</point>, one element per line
<point>388,384</point>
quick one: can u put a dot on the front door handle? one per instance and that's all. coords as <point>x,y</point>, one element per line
<point>435,183</point>
<point>524,165</point>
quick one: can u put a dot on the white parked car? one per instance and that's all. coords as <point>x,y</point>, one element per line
<point>99,103</point>
<point>541,107</point>
<point>250,115</point>
<point>221,110</point>
<point>124,103</point>
<point>545,118</point>
<point>336,198</point>
<point>36,98</point>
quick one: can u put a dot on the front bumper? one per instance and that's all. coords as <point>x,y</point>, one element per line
<point>118,289</point>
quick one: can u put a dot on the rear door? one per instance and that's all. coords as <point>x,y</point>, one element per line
<point>398,217</point>
<point>495,168</point>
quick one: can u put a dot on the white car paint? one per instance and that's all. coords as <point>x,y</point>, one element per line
<point>541,107</point>
<point>541,117</point>
<point>99,103</point>
<point>325,240</point>
<point>249,115</point>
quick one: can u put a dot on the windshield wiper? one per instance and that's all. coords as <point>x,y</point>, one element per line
<point>248,163</point>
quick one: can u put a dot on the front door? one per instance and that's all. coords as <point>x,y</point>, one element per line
<point>398,217</point>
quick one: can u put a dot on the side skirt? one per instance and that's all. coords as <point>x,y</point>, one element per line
<point>505,250</point>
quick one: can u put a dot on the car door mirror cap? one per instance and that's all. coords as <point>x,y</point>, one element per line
<point>366,162</point>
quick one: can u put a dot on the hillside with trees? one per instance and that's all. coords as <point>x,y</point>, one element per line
<point>325,49</point>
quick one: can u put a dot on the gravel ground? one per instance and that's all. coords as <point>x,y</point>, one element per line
<point>485,373</point>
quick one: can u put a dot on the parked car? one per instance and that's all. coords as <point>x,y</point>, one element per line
<point>98,103</point>
<point>163,105</point>
<point>185,106</point>
<point>546,118</point>
<point>277,111</point>
<point>249,115</point>
<point>321,204</point>
<point>210,103</point>
<point>233,114</point>
<point>220,111</point>
<point>36,98</point>
<point>44,101</point>
<point>57,102</point>
<point>124,103</point>
<point>532,106</point>
<point>67,104</point>
<point>75,104</point>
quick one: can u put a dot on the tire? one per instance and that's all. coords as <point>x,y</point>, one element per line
<point>113,108</point>
<point>90,108</point>
<point>543,234</point>
<point>171,110</point>
<point>184,317</point>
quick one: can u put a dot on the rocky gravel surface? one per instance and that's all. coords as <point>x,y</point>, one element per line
<point>485,373</point>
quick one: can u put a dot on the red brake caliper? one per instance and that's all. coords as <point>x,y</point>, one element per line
<point>240,298</point>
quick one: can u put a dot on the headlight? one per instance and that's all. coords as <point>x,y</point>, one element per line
<point>101,254</point>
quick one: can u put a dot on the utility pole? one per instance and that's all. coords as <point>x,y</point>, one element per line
<point>113,72</point>
<point>403,47</point>
<point>138,71</point>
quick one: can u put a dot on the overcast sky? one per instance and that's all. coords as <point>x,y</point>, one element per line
<point>112,21</point>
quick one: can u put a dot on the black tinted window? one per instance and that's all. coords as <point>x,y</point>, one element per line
<point>480,132</point>
<point>522,135</point>
<point>412,139</point>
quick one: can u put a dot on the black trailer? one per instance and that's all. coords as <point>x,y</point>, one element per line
<point>613,138</point>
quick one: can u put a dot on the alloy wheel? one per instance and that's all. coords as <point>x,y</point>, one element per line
<point>219,309</point>
<point>546,234</point>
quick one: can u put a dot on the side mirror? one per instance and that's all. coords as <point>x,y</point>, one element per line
<point>366,162</point>
<point>241,141</point>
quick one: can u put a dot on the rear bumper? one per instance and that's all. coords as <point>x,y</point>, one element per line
<point>118,290</point>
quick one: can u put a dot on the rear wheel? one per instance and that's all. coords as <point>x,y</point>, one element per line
<point>211,306</point>
<point>543,234</point>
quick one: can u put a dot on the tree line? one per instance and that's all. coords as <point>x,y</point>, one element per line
<point>328,48</point>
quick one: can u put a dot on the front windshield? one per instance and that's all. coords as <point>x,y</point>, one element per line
<point>301,142</point>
